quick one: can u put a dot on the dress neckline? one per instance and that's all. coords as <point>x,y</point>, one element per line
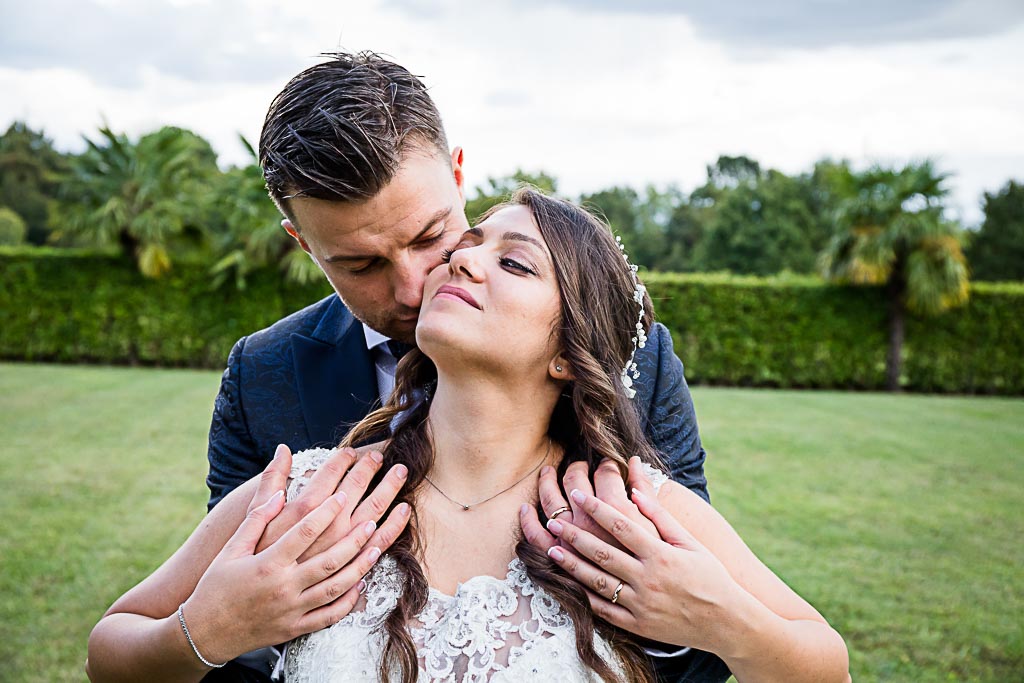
<point>514,568</point>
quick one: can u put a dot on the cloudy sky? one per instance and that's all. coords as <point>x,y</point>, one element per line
<point>595,92</point>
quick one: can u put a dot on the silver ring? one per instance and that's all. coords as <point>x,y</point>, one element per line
<point>564,508</point>
<point>615,595</point>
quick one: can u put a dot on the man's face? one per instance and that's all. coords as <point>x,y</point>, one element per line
<point>377,253</point>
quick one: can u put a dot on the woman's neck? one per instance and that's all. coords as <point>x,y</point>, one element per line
<point>488,434</point>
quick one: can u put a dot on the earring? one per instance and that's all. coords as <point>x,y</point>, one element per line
<point>558,368</point>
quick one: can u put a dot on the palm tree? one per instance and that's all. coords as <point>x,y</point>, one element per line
<point>142,196</point>
<point>890,231</point>
<point>254,237</point>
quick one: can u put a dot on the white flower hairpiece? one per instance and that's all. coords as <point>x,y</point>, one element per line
<point>630,371</point>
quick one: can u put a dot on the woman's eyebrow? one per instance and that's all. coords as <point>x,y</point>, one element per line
<point>510,236</point>
<point>520,237</point>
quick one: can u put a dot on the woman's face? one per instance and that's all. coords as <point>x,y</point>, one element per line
<point>495,302</point>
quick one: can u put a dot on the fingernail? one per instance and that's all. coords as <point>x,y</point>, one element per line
<point>362,587</point>
<point>555,553</point>
<point>273,498</point>
<point>401,471</point>
<point>577,496</point>
<point>279,451</point>
<point>374,554</point>
<point>341,497</point>
<point>370,527</point>
<point>638,496</point>
<point>555,527</point>
<point>403,508</point>
<point>377,456</point>
<point>522,509</point>
<point>546,470</point>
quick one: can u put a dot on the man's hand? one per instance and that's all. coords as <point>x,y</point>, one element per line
<point>343,472</point>
<point>608,486</point>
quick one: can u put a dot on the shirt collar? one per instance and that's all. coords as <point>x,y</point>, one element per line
<point>374,338</point>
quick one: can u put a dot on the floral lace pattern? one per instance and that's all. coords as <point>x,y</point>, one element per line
<point>304,465</point>
<point>492,629</point>
<point>502,630</point>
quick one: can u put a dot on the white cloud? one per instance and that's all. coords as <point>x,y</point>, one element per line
<point>594,98</point>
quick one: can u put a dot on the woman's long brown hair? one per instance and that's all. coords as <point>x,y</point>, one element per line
<point>592,420</point>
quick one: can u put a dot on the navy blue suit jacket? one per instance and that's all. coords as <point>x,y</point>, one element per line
<point>306,379</point>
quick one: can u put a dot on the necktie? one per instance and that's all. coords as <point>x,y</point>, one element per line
<point>398,349</point>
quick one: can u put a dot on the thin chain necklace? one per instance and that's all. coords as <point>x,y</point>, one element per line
<point>466,506</point>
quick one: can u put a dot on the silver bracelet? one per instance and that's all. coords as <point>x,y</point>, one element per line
<point>188,636</point>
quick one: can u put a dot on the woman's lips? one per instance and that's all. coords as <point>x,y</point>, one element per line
<point>459,293</point>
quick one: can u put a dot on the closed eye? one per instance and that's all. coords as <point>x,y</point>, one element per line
<point>515,265</point>
<point>427,241</point>
<point>363,269</point>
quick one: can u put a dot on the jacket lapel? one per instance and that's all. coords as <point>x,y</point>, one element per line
<point>335,376</point>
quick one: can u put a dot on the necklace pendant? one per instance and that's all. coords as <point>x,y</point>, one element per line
<point>465,507</point>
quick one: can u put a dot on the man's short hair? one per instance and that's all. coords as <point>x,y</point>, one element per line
<point>339,130</point>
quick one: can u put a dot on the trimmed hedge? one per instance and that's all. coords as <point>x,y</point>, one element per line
<point>800,332</point>
<point>64,305</point>
<point>74,306</point>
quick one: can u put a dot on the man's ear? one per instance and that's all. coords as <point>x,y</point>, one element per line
<point>559,369</point>
<point>460,180</point>
<point>290,229</point>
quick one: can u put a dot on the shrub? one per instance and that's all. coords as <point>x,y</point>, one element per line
<point>800,332</point>
<point>79,306</point>
<point>12,227</point>
<point>88,307</point>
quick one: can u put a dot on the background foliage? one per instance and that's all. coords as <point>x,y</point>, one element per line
<point>217,264</point>
<point>162,197</point>
<point>65,305</point>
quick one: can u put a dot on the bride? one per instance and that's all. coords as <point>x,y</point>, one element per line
<point>524,361</point>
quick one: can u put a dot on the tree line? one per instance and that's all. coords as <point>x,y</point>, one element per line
<point>162,198</point>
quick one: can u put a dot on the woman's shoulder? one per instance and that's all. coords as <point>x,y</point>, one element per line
<point>308,461</point>
<point>311,459</point>
<point>657,476</point>
<point>305,463</point>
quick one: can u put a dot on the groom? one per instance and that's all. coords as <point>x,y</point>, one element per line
<point>356,159</point>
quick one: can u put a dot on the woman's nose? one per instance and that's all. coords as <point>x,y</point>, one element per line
<point>464,262</point>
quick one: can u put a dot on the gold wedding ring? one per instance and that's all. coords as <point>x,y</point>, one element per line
<point>615,595</point>
<point>559,511</point>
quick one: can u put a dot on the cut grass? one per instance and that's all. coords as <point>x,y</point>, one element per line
<point>898,517</point>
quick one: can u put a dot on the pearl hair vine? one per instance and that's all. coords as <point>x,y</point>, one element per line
<point>630,371</point>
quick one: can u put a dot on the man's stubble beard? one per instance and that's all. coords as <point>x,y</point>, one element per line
<point>383,322</point>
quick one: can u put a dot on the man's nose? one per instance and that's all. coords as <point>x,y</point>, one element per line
<point>408,284</point>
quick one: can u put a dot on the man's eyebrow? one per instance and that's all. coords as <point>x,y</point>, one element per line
<point>344,259</point>
<point>438,216</point>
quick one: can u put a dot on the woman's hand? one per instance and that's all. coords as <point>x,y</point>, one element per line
<point>673,589</point>
<point>277,579</point>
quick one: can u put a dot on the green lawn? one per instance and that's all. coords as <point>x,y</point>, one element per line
<point>899,517</point>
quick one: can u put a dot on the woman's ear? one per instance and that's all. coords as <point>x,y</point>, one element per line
<point>559,369</point>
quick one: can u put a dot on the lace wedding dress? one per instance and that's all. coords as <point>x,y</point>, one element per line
<point>500,630</point>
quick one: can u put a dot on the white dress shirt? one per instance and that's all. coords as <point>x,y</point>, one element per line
<point>384,362</point>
